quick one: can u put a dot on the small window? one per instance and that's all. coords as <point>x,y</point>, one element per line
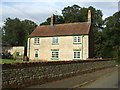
<point>77,39</point>
<point>55,40</point>
<point>77,55</point>
<point>37,40</point>
<point>55,54</point>
<point>36,53</point>
<point>17,53</point>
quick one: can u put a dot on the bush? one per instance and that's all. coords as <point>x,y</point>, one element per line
<point>14,56</point>
<point>118,60</point>
<point>6,55</point>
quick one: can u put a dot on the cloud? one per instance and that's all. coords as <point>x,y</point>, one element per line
<point>34,11</point>
<point>60,0</point>
<point>39,11</point>
<point>1,24</point>
<point>108,8</point>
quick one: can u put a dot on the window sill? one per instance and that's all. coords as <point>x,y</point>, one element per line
<point>55,43</point>
<point>36,44</point>
<point>76,43</point>
<point>36,58</point>
<point>76,59</point>
<point>55,58</point>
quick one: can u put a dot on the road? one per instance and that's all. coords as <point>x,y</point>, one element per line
<point>77,81</point>
<point>109,80</point>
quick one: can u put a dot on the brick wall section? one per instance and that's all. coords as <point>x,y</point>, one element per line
<point>25,74</point>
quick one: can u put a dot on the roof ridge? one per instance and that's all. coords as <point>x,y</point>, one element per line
<point>65,24</point>
<point>70,23</point>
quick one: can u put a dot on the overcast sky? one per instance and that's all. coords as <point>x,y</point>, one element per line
<point>39,10</point>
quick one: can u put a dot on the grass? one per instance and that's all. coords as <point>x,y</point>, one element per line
<point>11,61</point>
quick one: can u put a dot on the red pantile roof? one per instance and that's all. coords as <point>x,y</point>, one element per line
<point>61,29</point>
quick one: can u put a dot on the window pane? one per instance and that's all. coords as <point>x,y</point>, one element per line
<point>78,39</point>
<point>76,54</point>
<point>36,40</point>
<point>36,53</point>
<point>75,39</point>
<point>55,40</point>
<point>55,54</point>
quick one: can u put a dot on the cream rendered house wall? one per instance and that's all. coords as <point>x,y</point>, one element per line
<point>66,47</point>
<point>14,49</point>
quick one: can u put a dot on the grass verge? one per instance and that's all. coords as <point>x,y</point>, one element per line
<point>11,61</point>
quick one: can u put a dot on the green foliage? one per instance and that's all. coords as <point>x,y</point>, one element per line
<point>112,36</point>
<point>15,31</point>
<point>71,14</point>
<point>58,20</point>
<point>14,55</point>
<point>47,22</point>
<point>118,58</point>
<point>11,61</point>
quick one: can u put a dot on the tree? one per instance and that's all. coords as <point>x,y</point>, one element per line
<point>11,31</point>
<point>71,14</point>
<point>58,20</point>
<point>15,32</point>
<point>28,27</point>
<point>47,22</point>
<point>112,36</point>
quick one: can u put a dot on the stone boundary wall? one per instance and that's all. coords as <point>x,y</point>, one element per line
<point>19,75</point>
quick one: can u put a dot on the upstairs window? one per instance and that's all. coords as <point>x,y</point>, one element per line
<point>36,40</point>
<point>77,39</point>
<point>55,40</point>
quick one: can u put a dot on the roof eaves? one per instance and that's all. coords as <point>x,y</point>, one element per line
<point>58,35</point>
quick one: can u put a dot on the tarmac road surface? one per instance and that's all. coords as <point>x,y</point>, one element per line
<point>77,81</point>
<point>109,80</point>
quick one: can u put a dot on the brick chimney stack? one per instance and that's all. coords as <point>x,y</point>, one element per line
<point>52,20</point>
<point>89,16</point>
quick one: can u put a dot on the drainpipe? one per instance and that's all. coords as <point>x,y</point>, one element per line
<point>82,47</point>
<point>29,47</point>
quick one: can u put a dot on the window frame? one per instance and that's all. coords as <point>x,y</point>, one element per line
<point>75,56</point>
<point>37,53</point>
<point>76,39</point>
<point>56,56</point>
<point>55,41</point>
<point>36,41</point>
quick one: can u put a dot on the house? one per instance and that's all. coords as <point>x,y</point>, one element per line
<point>7,51</point>
<point>19,50</point>
<point>70,41</point>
